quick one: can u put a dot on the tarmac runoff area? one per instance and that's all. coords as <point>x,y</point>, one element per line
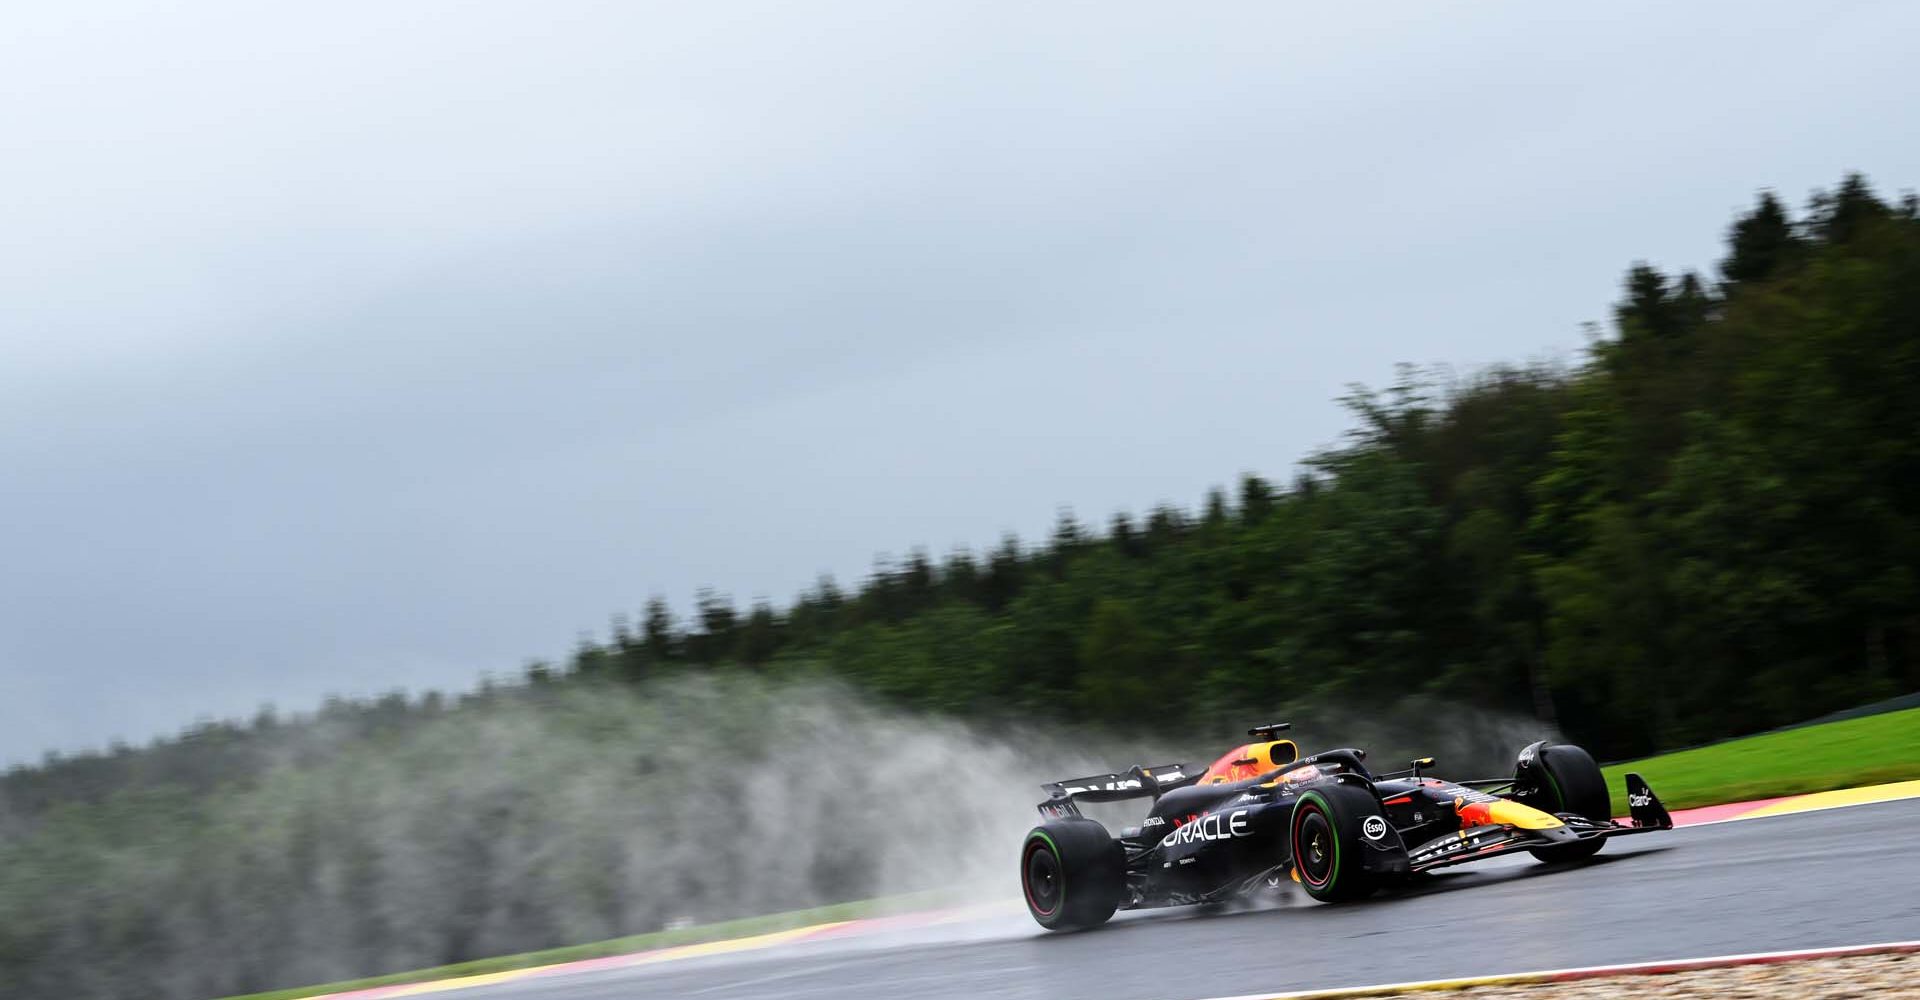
<point>1795,874</point>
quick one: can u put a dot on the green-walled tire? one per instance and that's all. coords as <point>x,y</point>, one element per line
<point>1324,836</point>
<point>1072,873</point>
<point>1573,784</point>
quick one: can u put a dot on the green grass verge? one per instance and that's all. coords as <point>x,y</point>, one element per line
<point>746,927</point>
<point>1869,751</point>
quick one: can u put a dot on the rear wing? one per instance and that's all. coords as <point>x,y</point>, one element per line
<point>1137,782</point>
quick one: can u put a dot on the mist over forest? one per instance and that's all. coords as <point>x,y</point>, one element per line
<point>1706,527</point>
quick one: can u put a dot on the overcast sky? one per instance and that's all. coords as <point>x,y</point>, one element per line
<point>354,346</point>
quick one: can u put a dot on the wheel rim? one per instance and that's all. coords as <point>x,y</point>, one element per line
<point>1313,848</point>
<point>1041,875</point>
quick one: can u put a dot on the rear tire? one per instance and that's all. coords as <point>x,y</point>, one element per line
<point>1324,835</point>
<point>1572,782</point>
<point>1072,873</point>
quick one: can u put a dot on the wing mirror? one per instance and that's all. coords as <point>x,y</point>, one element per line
<point>1420,762</point>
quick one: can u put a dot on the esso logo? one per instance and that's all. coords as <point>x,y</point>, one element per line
<point>1373,828</point>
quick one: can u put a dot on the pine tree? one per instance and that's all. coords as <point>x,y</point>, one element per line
<point>1256,499</point>
<point>1844,215</point>
<point>657,634</point>
<point>1761,242</point>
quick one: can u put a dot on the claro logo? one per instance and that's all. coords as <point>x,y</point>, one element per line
<point>1213,827</point>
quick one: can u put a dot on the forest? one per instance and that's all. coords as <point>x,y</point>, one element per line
<point>1707,526</point>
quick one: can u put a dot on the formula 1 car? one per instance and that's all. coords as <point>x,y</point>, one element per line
<point>1262,815</point>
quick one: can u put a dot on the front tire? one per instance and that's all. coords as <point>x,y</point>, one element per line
<point>1569,781</point>
<point>1324,835</point>
<point>1072,873</point>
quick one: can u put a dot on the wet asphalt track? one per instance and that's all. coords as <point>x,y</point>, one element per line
<point>1844,876</point>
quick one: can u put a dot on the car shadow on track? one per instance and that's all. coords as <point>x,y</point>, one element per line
<point>1295,899</point>
<point>1435,883</point>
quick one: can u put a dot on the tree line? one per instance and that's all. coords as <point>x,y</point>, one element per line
<point>1707,527</point>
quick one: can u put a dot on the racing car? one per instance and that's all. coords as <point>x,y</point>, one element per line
<point>1262,815</point>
